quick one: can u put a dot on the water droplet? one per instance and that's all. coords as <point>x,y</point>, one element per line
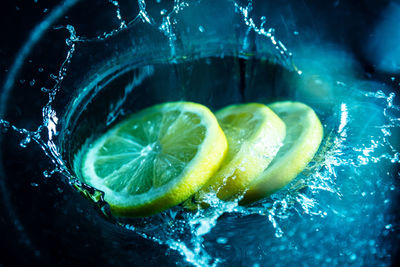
<point>47,174</point>
<point>278,233</point>
<point>388,226</point>
<point>393,78</point>
<point>296,33</point>
<point>163,12</point>
<point>4,123</point>
<point>353,257</point>
<point>22,81</point>
<point>34,184</point>
<point>40,69</point>
<point>32,83</point>
<point>25,141</point>
<point>129,227</point>
<point>386,132</point>
<point>222,240</point>
<point>201,28</point>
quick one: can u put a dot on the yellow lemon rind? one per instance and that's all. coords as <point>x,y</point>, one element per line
<point>254,155</point>
<point>286,167</point>
<point>196,173</point>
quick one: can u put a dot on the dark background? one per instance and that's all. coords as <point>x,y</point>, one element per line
<point>344,22</point>
<point>42,237</point>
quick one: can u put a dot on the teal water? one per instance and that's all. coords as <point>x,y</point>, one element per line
<point>340,210</point>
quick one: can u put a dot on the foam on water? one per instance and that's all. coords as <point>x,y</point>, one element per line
<point>329,197</point>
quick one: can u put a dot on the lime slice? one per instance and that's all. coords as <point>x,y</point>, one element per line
<point>154,159</point>
<point>303,137</point>
<point>254,135</point>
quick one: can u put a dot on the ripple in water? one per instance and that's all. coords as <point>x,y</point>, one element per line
<point>337,211</point>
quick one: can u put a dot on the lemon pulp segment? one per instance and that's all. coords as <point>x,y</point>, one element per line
<point>155,158</point>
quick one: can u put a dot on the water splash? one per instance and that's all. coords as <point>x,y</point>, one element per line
<point>187,232</point>
<point>284,54</point>
<point>168,21</point>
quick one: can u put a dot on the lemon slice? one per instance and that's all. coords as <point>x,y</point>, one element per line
<point>254,135</point>
<point>303,136</point>
<point>154,159</point>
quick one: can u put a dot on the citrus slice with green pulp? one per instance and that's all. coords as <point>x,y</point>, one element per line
<point>303,136</point>
<point>154,159</point>
<point>254,134</point>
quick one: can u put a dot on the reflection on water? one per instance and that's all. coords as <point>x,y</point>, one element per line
<point>337,211</point>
